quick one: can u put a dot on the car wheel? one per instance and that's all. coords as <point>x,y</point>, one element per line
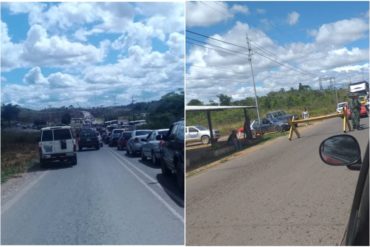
<point>42,163</point>
<point>165,170</point>
<point>128,152</point>
<point>180,178</point>
<point>205,139</point>
<point>74,161</point>
<point>98,147</point>
<point>143,157</point>
<point>154,159</point>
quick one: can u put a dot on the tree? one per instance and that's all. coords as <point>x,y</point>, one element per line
<point>224,99</point>
<point>195,102</point>
<point>9,112</point>
<point>66,118</point>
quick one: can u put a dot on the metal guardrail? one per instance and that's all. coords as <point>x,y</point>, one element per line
<point>293,122</point>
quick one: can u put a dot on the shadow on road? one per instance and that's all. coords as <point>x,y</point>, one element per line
<point>169,185</point>
<point>50,166</point>
<point>148,163</point>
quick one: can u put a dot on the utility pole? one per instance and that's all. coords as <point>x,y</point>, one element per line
<point>132,109</point>
<point>254,83</point>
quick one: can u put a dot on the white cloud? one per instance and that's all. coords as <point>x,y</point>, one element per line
<point>293,18</point>
<point>35,76</point>
<point>206,13</point>
<point>212,72</point>
<point>341,32</point>
<point>261,11</point>
<point>237,8</point>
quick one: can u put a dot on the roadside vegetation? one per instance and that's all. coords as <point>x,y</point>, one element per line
<point>19,151</point>
<point>318,102</point>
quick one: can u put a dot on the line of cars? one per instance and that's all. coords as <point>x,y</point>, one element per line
<point>164,147</point>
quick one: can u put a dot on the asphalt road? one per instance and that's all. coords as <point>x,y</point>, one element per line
<point>107,198</point>
<point>279,194</point>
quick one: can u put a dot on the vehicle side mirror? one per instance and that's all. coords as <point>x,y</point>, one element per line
<point>144,139</point>
<point>340,150</point>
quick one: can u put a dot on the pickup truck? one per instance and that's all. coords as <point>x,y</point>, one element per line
<point>201,134</point>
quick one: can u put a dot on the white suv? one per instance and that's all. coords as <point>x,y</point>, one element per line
<point>57,143</point>
<point>200,134</point>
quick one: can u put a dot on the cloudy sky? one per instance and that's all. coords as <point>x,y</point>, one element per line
<point>89,54</point>
<point>291,42</point>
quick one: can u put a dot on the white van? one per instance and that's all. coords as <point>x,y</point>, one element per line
<point>57,144</point>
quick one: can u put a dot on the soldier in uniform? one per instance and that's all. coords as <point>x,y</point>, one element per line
<point>355,109</point>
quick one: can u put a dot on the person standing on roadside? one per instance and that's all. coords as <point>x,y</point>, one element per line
<point>247,128</point>
<point>355,109</point>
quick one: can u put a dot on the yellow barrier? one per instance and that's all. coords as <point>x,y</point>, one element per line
<point>293,128</point>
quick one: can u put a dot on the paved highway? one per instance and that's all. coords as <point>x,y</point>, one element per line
<point>107,198</point>
<point>279,194</point>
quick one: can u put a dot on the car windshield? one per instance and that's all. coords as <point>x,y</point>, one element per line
<point>163,132</point>
<point>47,135</point>
<point>180,131</point>
<point>200,127</point>
<point>62,134</point>
<point>142,132</point>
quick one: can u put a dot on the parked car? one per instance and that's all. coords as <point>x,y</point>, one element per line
<point>114,137</point>
<point>150,148</point>
<point>57,144</point>
<point>172,153</point>
<point>268,125</point>
<point>198,133</point>
<point>134,144</point>
<point>344,150</point>
<point>123,139</point>
<point>340,106</point>
<point>280,116</point>
<point>87,138</point>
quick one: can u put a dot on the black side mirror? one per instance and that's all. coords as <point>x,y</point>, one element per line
<point>340,150</point>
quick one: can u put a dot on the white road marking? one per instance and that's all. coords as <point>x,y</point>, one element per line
<point>178,199</point>
<point>173,211</point>
<point>21,193</point>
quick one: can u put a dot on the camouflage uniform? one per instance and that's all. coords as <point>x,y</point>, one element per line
<point>355,109</point>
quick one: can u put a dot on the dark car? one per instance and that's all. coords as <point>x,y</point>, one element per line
<point>114,137</point>
<point>280,116</point>
<point>344,150</point>
<point>150,148</point>
<point>87,138</point>
<point>123,139</point>
<point>172,153</point>
<point>269,125</point>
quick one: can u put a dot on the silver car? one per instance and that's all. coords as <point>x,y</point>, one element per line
<point>198,133</point>
<point>135,143</point>
<point>150,148</point>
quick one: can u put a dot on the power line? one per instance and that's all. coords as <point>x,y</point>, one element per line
<point>266,54</point>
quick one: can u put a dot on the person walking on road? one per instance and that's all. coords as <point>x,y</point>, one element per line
<point>355,109</point>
